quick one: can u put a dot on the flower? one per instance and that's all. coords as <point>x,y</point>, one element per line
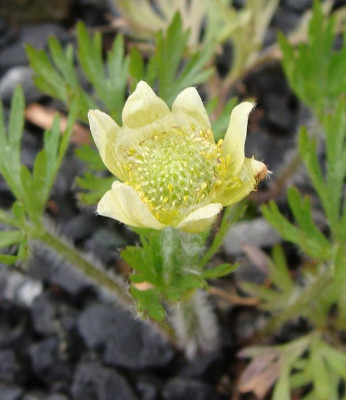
<point>170,170</point>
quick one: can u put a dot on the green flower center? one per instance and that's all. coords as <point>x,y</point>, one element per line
<point>175,172</point>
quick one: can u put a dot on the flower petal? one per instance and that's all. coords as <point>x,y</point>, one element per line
<point>123,204</point>
<point>200,219</point>
<point>189,102</point>
<point>234,141</point>
<point>239,187</point>
<point>259,169</point>
<point>105,132</point>
<point>143,107</point>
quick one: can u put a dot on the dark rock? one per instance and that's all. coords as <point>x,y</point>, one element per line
<point>270,148</point>
<point>256,232</point>
<point>49,266</point>
<point>10,392</point>
<point>9,366</point>
<point>92,381</point>
<point>80,226</point>
<point>7,34</point>
<point>43,314</point>
<point>34,396</point>
<point>19,76</point>
<point>19,289</point>
<point>181,389</point>
<point>279,112</point>
<point>49,362</point>
<point>285,20</point>
<point>65,180</point>
<point>36,35</point>
<point>35,11</point>
<point>13,325</point>
<point>56,397</point>
<point>147,386</point>
<point>105,244</point>
<point>207,367</point>
<point>298,6</point>
<point>31,145</point>
<point>126,342</point>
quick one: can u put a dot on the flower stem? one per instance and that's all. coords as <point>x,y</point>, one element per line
<point>195,324</point>
<point>91,270</point>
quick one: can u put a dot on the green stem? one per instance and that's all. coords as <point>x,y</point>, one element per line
<point>230,216</point>
<point>307,297</point>
<point>82,264</point>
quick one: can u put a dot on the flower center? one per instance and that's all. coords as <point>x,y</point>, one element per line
<point>175,172</point>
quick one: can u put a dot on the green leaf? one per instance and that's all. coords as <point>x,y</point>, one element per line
<point>336,360</point>
<point>7,259</point>
<point>8,238</point>
<point>136,66</point>
<point>295,235</point>
<point>63,61</point>
<point>301,209</point>
<point>47,79</point>
<point>219,271</point>
<point>95,186</point>
<point>91,157</point>
<point>148,303</point>
<point>118,69</point>
<point>90,56</point>
<point>314,69</point>
<point>321,378</point>
<point>282,390</point>
<point>220,124</point>
<point>169,66</point>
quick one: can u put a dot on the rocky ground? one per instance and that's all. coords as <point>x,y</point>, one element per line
<point>60,338</point>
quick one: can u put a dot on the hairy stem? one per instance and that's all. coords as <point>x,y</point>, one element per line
<point>91,270</point>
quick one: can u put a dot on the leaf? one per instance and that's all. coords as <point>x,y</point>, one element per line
<point>136,66</point>
<point>90,56</point>
<point>279,271</point>
<point>7,259</point>
<point>47,79</point>
<point>301,209</point>
<point>293,234</point>
<point>220,124</point>
<point>282,387</point>
<point>96,186</point>
<point>314,69</point>
<point>8,238</point>
<point>90,156</point>
<point>170,68</point>
<point>148,303</point>
<point>320,374</point>
<point>63,61</point>
<point>219,271</point>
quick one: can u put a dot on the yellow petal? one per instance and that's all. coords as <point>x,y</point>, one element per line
<point>234,141</point>
<point>143,107</point>
<point>105,131</point>
<point>242,185</point>
<point>188,103</point>
<point>200,219</point>
<point>123,204</point>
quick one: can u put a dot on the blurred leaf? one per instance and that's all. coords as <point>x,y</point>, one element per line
<point>8,238</point>
<point>219,271</point>
<point>314,69</point>
<point>295,235</point>
<point>174,75</point>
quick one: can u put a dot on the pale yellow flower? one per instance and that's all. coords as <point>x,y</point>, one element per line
<point>170,170</point>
